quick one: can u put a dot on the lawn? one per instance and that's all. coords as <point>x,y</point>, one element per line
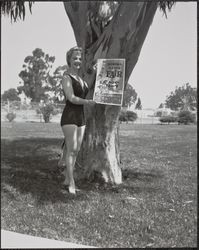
<point>156,206</point>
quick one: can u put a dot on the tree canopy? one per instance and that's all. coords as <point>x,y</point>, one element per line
<point>138,104</point>
<point>55,84</point>
<point>130,96</point>
<point>183,98</point>
<point>17,9</point>
<point>36,74</point>
<point>11,95</point>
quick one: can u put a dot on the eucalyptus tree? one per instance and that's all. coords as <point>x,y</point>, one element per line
<point>11,95</point>
<point>130,96</point>
<point>138,104</point>
<point>55,84</point>
<point>182,98</point>
<point>106,30</point>
<point>36,75</point>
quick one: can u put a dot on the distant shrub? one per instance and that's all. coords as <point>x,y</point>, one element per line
<point>15,105</point>
<point>24,106</point>
<point>186,117</point>
<point>131,116</point>
<point>168,119</point>
<point>47,111</point>
<point>38,111</point>
<point>126,116</point>
<point>123,116</point>
<point>11,116</point>
<point>158,114</point>
<point>56,111</point>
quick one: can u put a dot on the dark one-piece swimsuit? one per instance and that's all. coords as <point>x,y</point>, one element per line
<point>74,113</point>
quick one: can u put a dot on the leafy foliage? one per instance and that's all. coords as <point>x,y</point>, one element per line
<point>11,95</point>
<point>123,116</point>
<point>131,116</point>
<point>158,114</point>
<point>168,119</point>
<point>105,9</point>
<point>36,75</point>
<point>183,117</point>
<point>130,96</point>
<point>127,116</point>
<point>47,111</point>
<point>186,117</point>
<point>165,6</point>
<point>138,104</point>
<point>184,97</point>
<point>55,84</point>
<point>11,116</point>
<point>15,9</point>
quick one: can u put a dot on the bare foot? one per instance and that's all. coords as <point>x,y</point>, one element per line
<point>71,190</point>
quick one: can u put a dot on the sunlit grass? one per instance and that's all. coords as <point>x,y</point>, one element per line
<point>154,207</point>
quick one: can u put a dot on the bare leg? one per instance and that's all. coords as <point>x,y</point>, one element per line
<point>62,163</point>
<point>80,135</point>
<point>65,172</point>
<point>70,133</point>
<point>62,157</point>
<point>70,162</point>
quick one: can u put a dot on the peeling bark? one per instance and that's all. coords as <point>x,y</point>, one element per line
<point>122,37</point>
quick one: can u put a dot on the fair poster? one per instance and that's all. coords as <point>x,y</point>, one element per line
<point>109,85</point>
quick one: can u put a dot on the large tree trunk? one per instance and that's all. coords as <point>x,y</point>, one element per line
<point>123,37</point>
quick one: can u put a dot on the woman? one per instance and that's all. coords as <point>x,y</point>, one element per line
<point>73,120</point>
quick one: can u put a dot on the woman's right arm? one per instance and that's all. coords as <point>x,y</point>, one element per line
<point>69,93</point>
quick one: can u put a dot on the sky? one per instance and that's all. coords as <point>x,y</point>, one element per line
<point>168,58</point>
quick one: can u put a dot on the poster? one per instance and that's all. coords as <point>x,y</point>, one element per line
<point>109,85</point>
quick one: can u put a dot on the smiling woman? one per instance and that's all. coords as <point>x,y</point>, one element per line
<point>73,120</point>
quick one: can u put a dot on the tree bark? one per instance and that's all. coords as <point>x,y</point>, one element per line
<point>123,37</point>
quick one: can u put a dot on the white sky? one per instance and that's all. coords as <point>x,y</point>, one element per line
<point>168,57</point>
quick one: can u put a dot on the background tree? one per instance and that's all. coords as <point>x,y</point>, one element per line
<point>108,30</point>
<point>55,84</point>
<point>183,98</point>
<point>138,105</point>
<point>36,75</point>
<point>186,117</point>
<point>129,97</point>
<point>11,95</point>
<point>161,106</point>
<point>47,111</point>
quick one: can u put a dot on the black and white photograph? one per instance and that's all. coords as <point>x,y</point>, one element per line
<point>98,124</point>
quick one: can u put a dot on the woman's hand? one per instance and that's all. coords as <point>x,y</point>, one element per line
<point>91,102</point>
<point>95,67</point>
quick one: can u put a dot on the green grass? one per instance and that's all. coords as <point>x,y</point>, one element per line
<point>156,206</point>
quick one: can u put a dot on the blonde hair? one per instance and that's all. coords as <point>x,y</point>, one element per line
<point>70,53</point>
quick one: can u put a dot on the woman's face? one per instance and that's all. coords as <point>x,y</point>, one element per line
<point>76,60</point>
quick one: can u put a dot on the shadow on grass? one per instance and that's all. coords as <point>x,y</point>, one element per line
<point>30,166</point>
<point>136,174</point>
<point>134,182</point>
